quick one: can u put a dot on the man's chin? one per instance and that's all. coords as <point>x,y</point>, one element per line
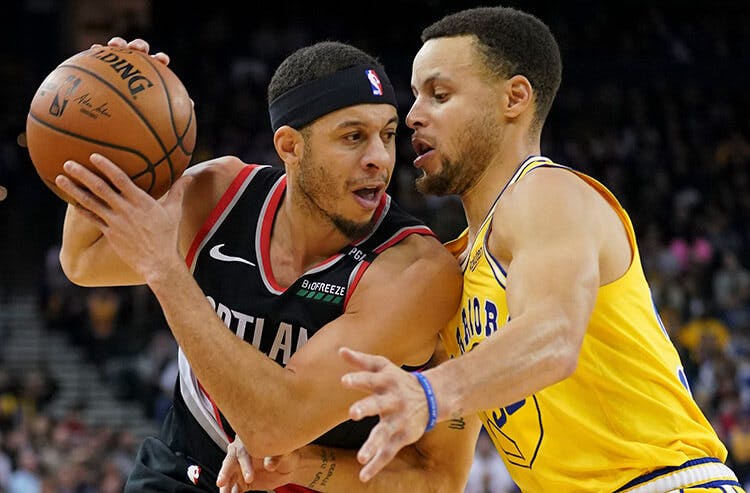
<point>433,185</point>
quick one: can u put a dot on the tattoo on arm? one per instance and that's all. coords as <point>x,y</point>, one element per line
<point>327,467</point>
<point>457,423</point>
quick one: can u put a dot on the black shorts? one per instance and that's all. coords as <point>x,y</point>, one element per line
<point>158,469</point>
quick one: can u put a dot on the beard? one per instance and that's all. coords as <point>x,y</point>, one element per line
<point>457,175</point>
<point>315,184</point>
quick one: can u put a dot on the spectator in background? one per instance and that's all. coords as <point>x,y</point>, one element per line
<point>488,472</point>
<point>26,477</point>
<point>731,291</point>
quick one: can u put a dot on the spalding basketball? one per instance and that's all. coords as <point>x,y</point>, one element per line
<point>117,102</point>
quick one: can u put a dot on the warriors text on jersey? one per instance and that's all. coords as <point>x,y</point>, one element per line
<point>626,411</point>
<point>230,260</point>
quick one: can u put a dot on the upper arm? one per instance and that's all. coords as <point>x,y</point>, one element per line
<point>550,230</point>
<point>404,299</point>
<point>89,260</point>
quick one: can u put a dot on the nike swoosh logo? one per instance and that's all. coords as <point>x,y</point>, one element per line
<point>215,253</point>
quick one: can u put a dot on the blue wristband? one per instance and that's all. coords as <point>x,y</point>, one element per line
<point>431,401</point>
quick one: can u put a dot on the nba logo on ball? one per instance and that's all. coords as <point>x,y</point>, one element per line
<point>377,87</point>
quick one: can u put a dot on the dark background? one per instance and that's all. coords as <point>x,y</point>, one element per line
<point>653,103</point>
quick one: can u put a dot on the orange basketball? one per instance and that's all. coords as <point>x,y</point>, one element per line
<point>119,103</point>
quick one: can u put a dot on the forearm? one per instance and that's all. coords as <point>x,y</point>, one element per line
<point>334,470</point>
<point>86,257</point>
<point>521,358</point>
<point>252,391</point>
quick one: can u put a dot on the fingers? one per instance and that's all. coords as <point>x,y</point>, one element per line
<point>139,44</point>
<point>161,57</point>
<point>378,462</point>
<point>176,192</point>
<point>116,176</point>
<point>363,361</point>
<point>236,471</point>
<point>378,450</point>
<point>246,465</point>
<point>85,190</point>
<point>118,42</point>
<point>372,405</point>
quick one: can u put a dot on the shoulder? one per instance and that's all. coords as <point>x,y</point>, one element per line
<point>551,198</point>
<point>211,179</point>
<point>419,263</point>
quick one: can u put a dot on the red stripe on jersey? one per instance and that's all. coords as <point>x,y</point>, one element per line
<point>217,413</point>
<point>292,488</point>
<point>423,230</point>
<point>265,233</point>
<point>218,210</point>
<point>362,268</point>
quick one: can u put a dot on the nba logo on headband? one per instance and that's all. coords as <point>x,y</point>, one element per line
<point>377,87</point>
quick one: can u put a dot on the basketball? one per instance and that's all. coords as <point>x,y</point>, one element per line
<point>117,102</point>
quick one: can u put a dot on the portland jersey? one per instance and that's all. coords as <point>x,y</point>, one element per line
<point>230,260</point>
<point>626,411</point>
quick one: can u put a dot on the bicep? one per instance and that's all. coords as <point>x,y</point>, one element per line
<point>554,249</point>
<point>448,450</point>
<point>396,315</point>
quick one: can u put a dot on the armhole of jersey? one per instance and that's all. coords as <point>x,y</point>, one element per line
<point>218,210</point>
<point>397,237</point>
<point>497,270</point>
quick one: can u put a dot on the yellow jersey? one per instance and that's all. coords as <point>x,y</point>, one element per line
<point>625,412</point>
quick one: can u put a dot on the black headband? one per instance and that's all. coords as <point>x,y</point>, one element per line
<point>361,84</point>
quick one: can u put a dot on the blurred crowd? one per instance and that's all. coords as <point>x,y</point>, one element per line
<point>652,104</point>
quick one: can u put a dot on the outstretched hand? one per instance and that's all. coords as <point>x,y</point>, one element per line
<point>396,396</point>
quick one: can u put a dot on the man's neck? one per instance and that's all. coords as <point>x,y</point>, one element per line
<point>301,239</point>
<point>478,200</point>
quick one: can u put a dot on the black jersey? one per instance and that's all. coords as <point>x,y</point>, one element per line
<point>230,259</point>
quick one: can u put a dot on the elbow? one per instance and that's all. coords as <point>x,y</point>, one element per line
<point>267,442</point>
<point>71,267</point>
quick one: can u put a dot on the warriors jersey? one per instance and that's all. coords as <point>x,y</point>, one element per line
<point>624,413</point>
<point>230,260</point>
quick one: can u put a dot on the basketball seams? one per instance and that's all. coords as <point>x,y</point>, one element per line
<point>149,167</point>
<point>179,136</point>
<point>51,140</point>
<point>135,109</point>
<point>156,70</point>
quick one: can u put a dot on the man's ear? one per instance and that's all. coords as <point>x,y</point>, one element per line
<point>519,96</point>
<point>289,144</point>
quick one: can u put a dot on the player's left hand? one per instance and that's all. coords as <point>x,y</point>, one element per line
<point>240,472</point>
<point>236,472</point>
<point>140,229</point>
<point>396,396</point>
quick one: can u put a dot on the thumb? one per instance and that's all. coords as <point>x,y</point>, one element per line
<point>176,192</point>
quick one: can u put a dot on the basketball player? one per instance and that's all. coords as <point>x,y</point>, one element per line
<point>557,344</point>
<point>295,262</point>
